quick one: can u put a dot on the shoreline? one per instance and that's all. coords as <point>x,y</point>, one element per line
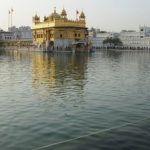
<point>120,50</point>
<point>35,49</point>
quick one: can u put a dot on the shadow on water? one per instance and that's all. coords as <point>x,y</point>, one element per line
<point>112,54</point>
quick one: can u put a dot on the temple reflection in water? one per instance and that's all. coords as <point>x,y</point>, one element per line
<point>59,71</point>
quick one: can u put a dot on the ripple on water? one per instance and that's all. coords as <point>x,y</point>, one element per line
<point>46,99</point>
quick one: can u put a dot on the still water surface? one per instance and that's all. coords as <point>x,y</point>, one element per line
<point>45,99</point>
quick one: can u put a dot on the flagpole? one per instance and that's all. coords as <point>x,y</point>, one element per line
<point>11,17</point>
<point>8,19</point>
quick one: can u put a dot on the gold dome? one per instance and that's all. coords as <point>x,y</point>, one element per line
<point>36,17</point>
<point>54,14</point>
<point>63,13</point>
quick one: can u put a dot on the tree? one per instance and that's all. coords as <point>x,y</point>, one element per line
<point>113,41</point>
<point>117,42</point>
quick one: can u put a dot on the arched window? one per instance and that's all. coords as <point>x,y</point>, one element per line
<point>61,36</point>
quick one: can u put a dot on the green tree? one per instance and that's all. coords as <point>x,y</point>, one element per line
<point>113,41</point>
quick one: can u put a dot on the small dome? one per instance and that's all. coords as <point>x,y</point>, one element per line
<point>82,15</point>
<point>55,14</point>
<point>36,17</point>
<point>63,13</point>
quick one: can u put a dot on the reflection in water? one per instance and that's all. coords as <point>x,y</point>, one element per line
<point>16,55</point>
<point>112,54</point>
<point>43,70</point>
<point>59,71</point>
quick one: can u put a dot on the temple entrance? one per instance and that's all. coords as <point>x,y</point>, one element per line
<point>80,46</point>
<point>50,45</point>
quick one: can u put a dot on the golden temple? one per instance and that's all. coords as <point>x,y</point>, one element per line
<point>58,32</point>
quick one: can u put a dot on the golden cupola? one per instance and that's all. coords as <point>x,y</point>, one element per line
<point>63,13</point>
<point>82,16</point>
<point>36,18</point>
<point>54,15</point>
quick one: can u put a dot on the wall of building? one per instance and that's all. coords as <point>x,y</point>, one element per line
<point>136,39</point>
<point>97,41</point>
<point>130,39</point>
<point>6,36</point>
<point>21,33</point>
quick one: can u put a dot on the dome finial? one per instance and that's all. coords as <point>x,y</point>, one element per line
<point>82,15</point>
<point>54,9</point>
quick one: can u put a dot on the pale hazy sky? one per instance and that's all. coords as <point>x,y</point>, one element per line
<point>110,15</point>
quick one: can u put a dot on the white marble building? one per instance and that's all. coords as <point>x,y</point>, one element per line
<point>130,39</point>
<point>136,39</point>
<point>6,36</point>
<point>97,41</point>
<point>22,33</point>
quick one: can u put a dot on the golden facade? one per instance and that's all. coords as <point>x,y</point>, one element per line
<point>58,30</point>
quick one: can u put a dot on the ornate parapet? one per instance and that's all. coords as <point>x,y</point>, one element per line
<point>58,20</point>
<point>42,25</point>
<point>69,23</point>
<point>58,23</point>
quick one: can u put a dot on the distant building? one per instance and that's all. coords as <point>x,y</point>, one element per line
<point>97,41</point>
<point>18,37</point>
<point>21,33</point>
<point>130,39</point>
<point>57,31</point>
<point>92,32</point>
<point>6,36</point>
<point>136,39</point>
